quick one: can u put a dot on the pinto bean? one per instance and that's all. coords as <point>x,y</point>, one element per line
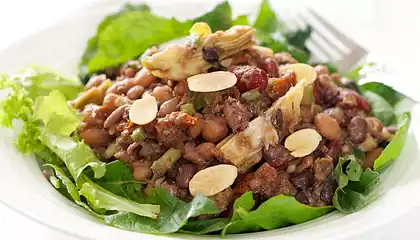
<point>168,107</point>
<point>95,137</point>
<point>162,93</point>
<point>357,129</point>
<point>141,170</point>
<point>144,78</point>
<point>115,116</point>
<point>214,129</point>
<point>327,126</point>
<point>135,92</point>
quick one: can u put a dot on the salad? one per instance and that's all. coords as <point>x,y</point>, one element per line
<point>233,130</point>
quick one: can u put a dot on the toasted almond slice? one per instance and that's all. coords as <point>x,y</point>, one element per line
<point>303,71</point>
<point>211,82</point>
<point>143,110</point>
<point>303,142</point>
<point>213,180</point>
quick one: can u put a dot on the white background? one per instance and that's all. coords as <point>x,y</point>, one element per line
<point>394,23</point>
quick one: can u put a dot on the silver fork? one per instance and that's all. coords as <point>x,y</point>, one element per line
<point>328,44</point>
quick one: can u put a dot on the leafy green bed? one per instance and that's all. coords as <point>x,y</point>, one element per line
<point>107,190</point>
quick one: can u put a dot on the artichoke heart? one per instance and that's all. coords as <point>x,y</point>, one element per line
<point>244,148</point>
<point>177,62</point>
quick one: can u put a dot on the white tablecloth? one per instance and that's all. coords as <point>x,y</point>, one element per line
<point>396,21</point>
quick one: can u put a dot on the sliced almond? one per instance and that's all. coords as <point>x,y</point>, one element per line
<point>303,71</point>
<point>143,110</point>
<point>213,180</point>
<point>303,142</point>
<point>211,82</point>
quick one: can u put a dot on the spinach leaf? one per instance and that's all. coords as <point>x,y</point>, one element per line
<point>394,148</point>
<point>380,107</point>
<point>102,200</point>
<point>278,211</point>
<point>119,180</point>
<point>174,214</point>
<point>388,93</point>
<point>354,184</point>
<point>131,34</point>
<point>220,18</point>
<point>200,227</point>
<point>92,44</point>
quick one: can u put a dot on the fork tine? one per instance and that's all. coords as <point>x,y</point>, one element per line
<point>340,36</point>
<point>319,36</point>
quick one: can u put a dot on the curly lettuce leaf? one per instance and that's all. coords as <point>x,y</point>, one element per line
<point>173,215</point>
<point>278,211</point>
<point>394,148</point>
<point>57,117</point>
<point>40,81</point>
<point>355,184</point>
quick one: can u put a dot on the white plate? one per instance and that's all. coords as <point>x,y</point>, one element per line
<point>24,189</point>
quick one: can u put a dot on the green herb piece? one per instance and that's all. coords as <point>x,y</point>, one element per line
<point>251,95</point>
<point>164,163</point>
<point>394,148</point>
<point>138,134</point>
<point>173,215</point>
<point>188,108</point>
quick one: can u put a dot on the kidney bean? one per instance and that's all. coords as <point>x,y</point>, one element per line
<point>271,67</point>
<point>327,126</point>
<point>276,155</point>
<point>325,91</point>
<point>185,173</point>
<point>250,77</point>
<point>371,156</point>
<point>357,129</point>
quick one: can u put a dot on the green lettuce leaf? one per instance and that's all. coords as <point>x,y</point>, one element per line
<point>131,34</point>
<point>57,117</point>
<point>102,200</point>
<point>394,148</point>
<point>388,93</point>
<point>118,179</point>
<point>220,18</point>
<point>40,81</point>
<point>380,107</point>
<point>92,44</point>
<point>174,214</point>
<point>355,185</point>
<point>201,227</point>
<point>278,211</point>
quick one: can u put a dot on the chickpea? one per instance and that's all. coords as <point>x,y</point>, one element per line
<point>374,126</point>
<point>144,78</point>
<point>95,137</point>
<point>162,93</point>
<point>195,130</point>
<point>327,126</point>
<point>168,107</point>
<point>371,156</point>
<point>135,92</point>
<point>214,129</point>
<point>141,170</point>
<point>95,81</point>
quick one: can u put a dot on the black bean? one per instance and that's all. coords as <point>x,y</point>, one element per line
<point>210,54</point>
